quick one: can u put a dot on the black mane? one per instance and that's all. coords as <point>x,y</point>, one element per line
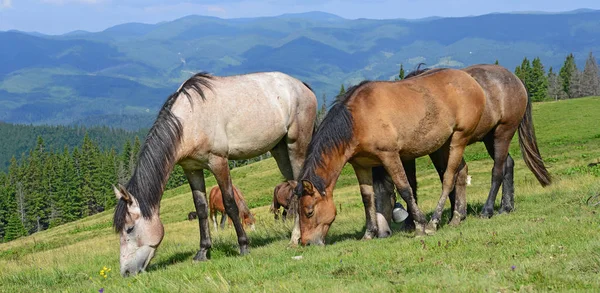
<point>157,154</point>
<point>335,131</point>
<point>417,71</point>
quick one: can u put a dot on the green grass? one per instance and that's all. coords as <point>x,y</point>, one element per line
<point>550,242</point>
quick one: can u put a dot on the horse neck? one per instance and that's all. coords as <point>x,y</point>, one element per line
<point>149,180</point>
<point>332,164</point>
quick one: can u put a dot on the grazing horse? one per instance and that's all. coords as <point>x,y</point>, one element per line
<point>507,109</point>
<point>381,123</point>
<point>283,197</point>
<point>206,122</point>
<point>215,201</point>
<point>192,216</point>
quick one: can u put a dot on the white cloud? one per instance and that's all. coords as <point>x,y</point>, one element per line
<point>62,2</point>
<point>6,4</point>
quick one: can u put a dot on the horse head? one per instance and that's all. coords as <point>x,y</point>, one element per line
<point>317,212</point>
<point>139,235</point>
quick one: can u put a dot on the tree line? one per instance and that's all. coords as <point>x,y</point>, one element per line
<point>567,83</point>
<point>46,188</point>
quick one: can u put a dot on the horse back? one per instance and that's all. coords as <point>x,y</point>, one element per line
<point>246,115</point>
<point>506,97</point>
<point>419,114</point>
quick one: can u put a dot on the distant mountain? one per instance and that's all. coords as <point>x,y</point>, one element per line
<point>130,69</point>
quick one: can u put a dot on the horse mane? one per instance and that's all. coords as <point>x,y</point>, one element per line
<point>157,155</point>
<point>335,131</point>
<point>418,71</point>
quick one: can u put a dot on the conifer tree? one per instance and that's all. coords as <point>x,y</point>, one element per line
<point>566,74</point>
<point>590,79</point>
<point>342,90</point>
<point>401,74</point>
<point>538,81</point>
<point>555,89</point>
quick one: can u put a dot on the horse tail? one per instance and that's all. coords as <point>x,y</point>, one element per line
<point>529,147</point>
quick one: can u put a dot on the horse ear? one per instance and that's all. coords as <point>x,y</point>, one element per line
<point>122,193</point>
<point>308,187</point>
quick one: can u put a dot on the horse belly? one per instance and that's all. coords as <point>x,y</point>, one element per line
<point>248,142</point>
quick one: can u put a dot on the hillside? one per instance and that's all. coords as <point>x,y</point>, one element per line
<point>548,244</point>
<point>18,139</point>
<point>131,68</point>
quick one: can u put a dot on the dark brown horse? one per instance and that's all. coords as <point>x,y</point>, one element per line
<point>508,109</point>
<point>282,198</point>
<point>381,124</point>
<point>216,206</point>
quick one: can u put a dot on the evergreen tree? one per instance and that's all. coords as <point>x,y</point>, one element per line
<point>524,72</point>
<point>323,110</point>
<point>566,73</point>
<point>575,88</point>
<point>538,81</point>
<point>134,155</point>
<point>497,63</point>
<point>124,172</point>
<point>14,227</point>
<point>342,90</point>
<point>401,75</point>
<point>590,79</point>
<point>555,89</point>
<point>36,197</point>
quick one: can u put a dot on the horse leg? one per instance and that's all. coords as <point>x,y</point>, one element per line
<point>457,196</point>
<point>213,216</point>
<point>220,169</point>
<point>455,152</point>
<point>508,188</point>
<point>289,155</point>
<point>497,147</point>
<point>410,168</point>
<point>284,215</point>
<point>223,220</point>
<point>384,193</point>
<point>196,180</point>
<point>365,180</point>
<point>395,169</point>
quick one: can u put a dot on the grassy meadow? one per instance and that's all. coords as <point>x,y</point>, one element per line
<point>551,242</point>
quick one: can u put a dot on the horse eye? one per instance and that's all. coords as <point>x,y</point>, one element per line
<point>129,230</point>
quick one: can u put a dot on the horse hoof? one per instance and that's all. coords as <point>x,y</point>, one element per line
<point>431,228</point>
<point>504,210</point>
<point>455,222</point>
<point>456,219</point>
<point>420,230</point>
<point>407,227</point>
<point>201,256</point>
<point>244,250</point>
<point>486,214</point>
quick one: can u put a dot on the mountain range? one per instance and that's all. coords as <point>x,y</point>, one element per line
<point>129,70</point>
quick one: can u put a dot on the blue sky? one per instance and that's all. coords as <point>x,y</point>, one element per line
<point>61,16</point>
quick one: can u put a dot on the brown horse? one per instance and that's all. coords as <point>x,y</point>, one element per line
<point>215,201</point>
<point>206,122</point>
<point>282,198</point>
<point>381,124</point>
<point>508,109</point>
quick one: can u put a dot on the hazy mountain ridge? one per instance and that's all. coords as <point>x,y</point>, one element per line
<point>131,68</point>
